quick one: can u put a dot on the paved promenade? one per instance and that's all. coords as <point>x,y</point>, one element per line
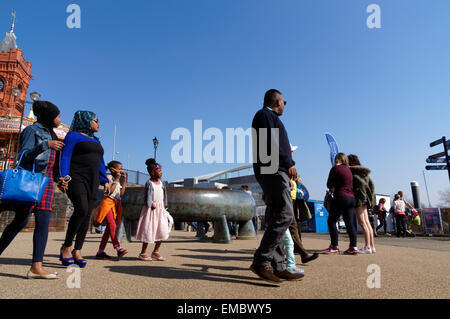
<point>409,268</point>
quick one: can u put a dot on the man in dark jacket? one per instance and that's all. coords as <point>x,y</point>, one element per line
<point>273,167</point>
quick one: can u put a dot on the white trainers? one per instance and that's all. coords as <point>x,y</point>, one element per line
<point>365,250</point>
<point>373,250</point>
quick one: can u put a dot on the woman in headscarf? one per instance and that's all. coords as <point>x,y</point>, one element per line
<point>39,145</point>
<point>81,162</point>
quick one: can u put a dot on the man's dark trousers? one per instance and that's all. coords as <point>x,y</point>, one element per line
<point>276,188</point>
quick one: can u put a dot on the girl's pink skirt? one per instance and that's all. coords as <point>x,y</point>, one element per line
<point>153,225</point>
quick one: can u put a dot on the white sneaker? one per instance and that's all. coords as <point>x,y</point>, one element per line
<point>365,250</point>
<point>373,250</point>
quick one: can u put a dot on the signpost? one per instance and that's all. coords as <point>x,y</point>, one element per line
<point>440,158</point>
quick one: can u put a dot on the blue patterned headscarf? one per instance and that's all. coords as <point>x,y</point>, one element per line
<point>82,121</point>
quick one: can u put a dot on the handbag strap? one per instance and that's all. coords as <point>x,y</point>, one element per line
<point>3,186</point>
<point>20,160</point>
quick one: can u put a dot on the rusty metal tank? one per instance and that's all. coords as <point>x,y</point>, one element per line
<point>201,204</point>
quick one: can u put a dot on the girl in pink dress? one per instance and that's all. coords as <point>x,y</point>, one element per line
<point>153,226</point>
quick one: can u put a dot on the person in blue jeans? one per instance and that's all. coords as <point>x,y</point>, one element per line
<point>39,145</point>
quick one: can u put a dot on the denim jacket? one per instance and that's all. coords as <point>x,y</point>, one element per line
<point>34,143</point>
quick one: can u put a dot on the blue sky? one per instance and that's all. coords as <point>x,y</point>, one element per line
<point>153,66</point>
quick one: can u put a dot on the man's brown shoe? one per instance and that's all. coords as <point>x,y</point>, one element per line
<point>265,273</point>
<point>286,275</point>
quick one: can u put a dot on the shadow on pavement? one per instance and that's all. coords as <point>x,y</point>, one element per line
<point>224,257</point>
<point>221,251</point>
<point>26,262</point>
<point>207,267</point>
<point>13,276</point>
<point>91,240</point>
<point>16,261</point>
<point>185,274</point>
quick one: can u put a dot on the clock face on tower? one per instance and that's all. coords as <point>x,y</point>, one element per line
<point>1,85</point>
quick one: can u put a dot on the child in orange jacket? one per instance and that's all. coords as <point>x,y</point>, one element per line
<point>110,210</point>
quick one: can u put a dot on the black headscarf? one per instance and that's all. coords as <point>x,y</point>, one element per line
<point>46,112</point>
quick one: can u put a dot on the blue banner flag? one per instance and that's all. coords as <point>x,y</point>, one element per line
<point>333,147</point>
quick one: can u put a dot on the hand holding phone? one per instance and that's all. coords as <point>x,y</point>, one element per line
<point>63,183</point>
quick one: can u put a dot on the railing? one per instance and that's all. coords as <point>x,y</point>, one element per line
<point>136,177</point>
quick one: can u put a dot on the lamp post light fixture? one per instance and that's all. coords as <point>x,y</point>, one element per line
<point>155,145</point>
<point>16,92</point>
<point>35,96</point>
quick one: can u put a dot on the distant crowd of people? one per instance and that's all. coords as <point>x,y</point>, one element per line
<point>403,213</point>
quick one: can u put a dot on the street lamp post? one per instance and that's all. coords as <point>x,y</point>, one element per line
<point>16,92</point>
<point>155,145</point>
<point>114,143</point>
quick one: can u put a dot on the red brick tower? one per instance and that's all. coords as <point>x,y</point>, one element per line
<point>15,72</point>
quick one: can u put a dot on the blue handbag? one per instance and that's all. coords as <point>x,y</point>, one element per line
<point>22,187</point>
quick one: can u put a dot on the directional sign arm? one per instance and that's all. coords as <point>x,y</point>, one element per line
<point>437,142</point>
<point>436,167</point>
<point>437,155</point>
<point>436,160</point>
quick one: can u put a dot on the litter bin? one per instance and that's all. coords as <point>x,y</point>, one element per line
<point>318,223</point>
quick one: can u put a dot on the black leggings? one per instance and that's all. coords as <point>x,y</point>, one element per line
<point>343,206</point>
<point>40,235</point>
<point>79,222</point>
